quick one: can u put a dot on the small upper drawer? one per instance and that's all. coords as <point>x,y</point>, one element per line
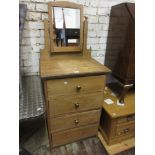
<point>62,104</point>
<point>76,85</point>
<point>125,129</point>
<point>125,119</point>
<point>74,120</point>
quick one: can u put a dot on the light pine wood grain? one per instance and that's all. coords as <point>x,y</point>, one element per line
<point>73,86</point>
<point>56,67</point>
<point>115,111</point>
<point>68,136</point>
<point>118,122</point>
<point>117,148</point>
<point>70,85</point>
<point>75,120</point>
<point>63,104</point>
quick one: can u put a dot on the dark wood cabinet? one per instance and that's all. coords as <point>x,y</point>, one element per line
<point>122,27</point>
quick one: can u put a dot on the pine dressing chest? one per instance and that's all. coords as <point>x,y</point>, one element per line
<point>73,82</point>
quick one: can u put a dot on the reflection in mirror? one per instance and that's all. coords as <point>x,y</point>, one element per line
<point>66,26</point>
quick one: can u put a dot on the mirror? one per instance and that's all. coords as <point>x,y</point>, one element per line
<point>66,26</point>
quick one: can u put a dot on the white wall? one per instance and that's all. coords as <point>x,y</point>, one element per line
<point>97,11</point>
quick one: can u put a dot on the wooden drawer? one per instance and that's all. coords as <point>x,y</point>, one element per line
<point>125,129</point>
<point>68,136</point>
<point>75,85</point>
<point>125,119</point>
<point>74,103</point>
<point>75,120</point>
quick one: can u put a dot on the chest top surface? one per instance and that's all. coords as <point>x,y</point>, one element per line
<point>71,67</point>
<point>116,111</point>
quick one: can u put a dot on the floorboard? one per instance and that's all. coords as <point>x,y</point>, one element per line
<point>38,145</point>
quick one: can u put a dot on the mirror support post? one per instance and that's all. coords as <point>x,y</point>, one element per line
<point>46,35</point>
<point>85,52</point>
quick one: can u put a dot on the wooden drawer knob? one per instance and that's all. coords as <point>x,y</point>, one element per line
<point>126,130</point>
<point>76,121</point>
<point>78,87</point>
<point>130,118</point>
<point>120,133</point>
<point>76,105</point>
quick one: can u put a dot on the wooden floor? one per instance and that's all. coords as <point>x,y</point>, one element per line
<point>38,145</point>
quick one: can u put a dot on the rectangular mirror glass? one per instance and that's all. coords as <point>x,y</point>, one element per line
<point>66,28</point>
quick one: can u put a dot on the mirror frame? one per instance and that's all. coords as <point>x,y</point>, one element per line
<point>65,4</point>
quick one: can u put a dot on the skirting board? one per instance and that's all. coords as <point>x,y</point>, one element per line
<point>117,148</point>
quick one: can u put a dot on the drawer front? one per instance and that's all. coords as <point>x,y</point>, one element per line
<point>74,103</point>
<point>68,136</point>
<point>75,120</point>
<point>125,129</point>
<point>75,85</point>
<point>128,118</point>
